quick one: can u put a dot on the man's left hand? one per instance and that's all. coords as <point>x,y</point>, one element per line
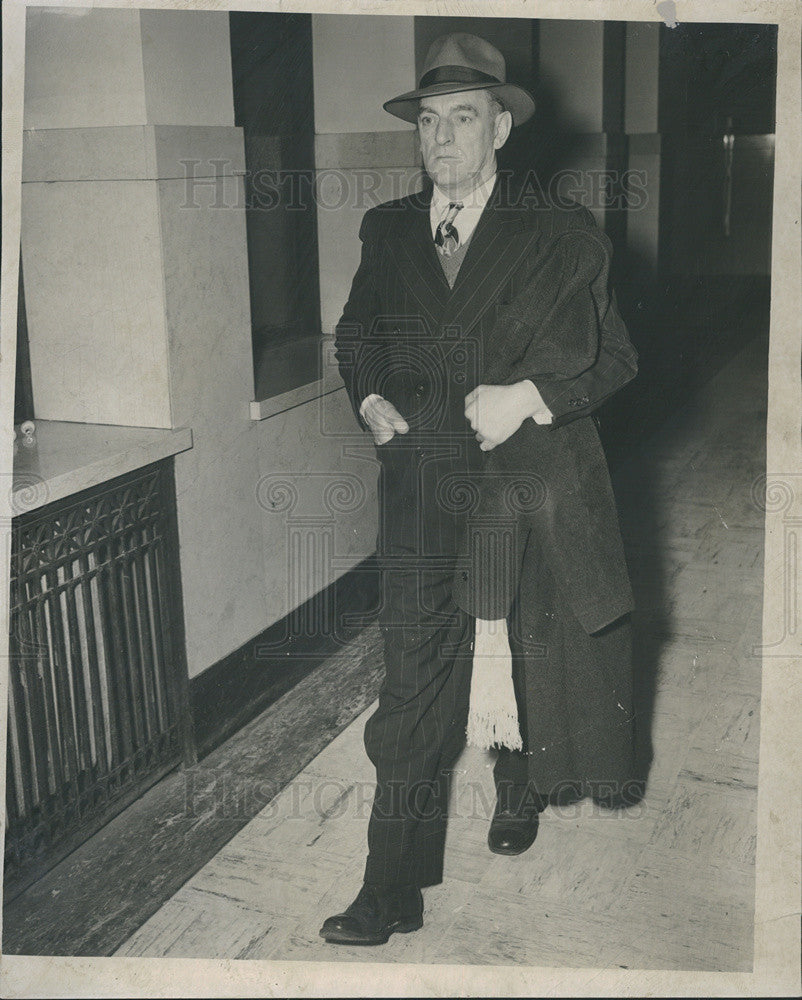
<point>495,412</point>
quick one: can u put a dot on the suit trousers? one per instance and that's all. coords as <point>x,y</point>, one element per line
<point>418,728</point>
<point>573,689</point>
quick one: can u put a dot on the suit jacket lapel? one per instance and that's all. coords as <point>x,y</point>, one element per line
<point>501,239</point>
<point>416,258</point>
<point>499,242</point>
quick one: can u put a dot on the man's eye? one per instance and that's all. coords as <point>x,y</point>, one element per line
<point>465,119</point>
<point>425,120</point>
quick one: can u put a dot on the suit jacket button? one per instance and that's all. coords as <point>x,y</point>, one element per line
<point>464,576</point>
<point>420,388</point>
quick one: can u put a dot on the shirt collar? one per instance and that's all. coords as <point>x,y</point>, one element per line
<point>477,198</point>
<point>468,218</point>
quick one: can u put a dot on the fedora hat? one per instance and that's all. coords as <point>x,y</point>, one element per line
<point>460,62</point>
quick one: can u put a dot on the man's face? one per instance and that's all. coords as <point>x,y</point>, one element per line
<point>459,135</point>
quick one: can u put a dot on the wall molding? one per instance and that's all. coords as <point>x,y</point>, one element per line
<point>261,409</point>
<point>131,153</point>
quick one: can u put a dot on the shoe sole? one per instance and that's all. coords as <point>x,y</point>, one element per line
<point>510,851</point>
<point>399,928</point>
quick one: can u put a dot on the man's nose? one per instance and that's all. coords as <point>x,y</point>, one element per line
<point>444,132</point>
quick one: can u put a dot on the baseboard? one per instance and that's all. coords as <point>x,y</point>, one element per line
<point>238,687</point>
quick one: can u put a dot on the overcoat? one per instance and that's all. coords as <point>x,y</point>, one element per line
<point>531,300</point>
<point>550,488</point>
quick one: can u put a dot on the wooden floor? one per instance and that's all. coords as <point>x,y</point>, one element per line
<point>668,883</point>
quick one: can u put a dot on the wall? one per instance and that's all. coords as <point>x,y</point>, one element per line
<point>83,68</point>
<point>363,154</point>
<point>571,64</point>
<point>645,146</point>
<point>146,319</point>
<point>580,93</point>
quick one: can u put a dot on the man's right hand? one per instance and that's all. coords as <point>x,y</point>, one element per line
<point>382,418</point>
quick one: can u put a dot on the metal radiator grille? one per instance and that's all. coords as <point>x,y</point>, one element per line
<point>98,706</point>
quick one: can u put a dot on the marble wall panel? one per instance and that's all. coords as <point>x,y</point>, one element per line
<point>95,302</point>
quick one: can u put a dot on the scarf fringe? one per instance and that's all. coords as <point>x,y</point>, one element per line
<point>486,731</point>
<point>493,711</point>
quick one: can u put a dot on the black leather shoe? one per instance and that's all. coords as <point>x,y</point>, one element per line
<point>513,829</point>
<point>375,914</point>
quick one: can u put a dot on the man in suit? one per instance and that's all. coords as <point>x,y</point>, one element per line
<point>437,270</point>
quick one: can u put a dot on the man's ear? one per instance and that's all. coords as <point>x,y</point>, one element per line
<point>502,130</point>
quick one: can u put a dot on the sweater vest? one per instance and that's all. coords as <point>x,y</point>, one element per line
<point>452,264</point>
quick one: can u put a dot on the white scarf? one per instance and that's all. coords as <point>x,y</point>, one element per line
<point>493,713</point>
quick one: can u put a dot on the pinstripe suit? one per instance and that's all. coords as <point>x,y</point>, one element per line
<point>408,336</point>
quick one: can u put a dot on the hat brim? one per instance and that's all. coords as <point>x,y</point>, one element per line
<point>517,101</point>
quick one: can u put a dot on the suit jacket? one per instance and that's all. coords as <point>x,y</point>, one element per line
<point>531,300</point>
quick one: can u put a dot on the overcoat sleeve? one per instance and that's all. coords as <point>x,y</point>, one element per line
<point>584,255</point>
<point>551,331</point>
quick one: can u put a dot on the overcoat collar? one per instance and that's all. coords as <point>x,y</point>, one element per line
<point>505,232</point>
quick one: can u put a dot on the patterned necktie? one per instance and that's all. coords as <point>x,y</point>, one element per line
<point>447,238</point>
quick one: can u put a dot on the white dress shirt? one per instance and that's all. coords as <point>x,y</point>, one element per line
<point>468,216</point>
